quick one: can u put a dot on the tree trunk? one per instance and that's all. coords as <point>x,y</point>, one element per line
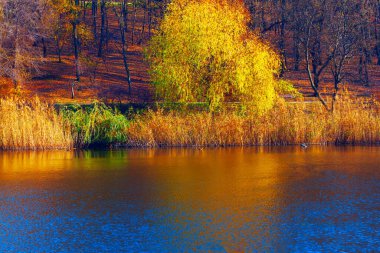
<point>313,74</point>
<point>44,49</point>
<point>297,56</point>
<point>149,19</point>
<point>134,20</point>
<point>282,38</point>
<point>76,51</point>
<point>59,50</point>
<point>378,49</point>
<point>377,36</point>
<point>16,66</point>
<point>314,65</point>
<point>363,70</point>
<point>102,27</point>
<point>144,22</point>
<point>94,8</point>
<point>84,10</point>
<point>122,28</point>
<point>263,22</point>
<point>334,98</point>
<point>107,36</point>
<point>125,60</point>
<point>76,44</point>
<point>125,14</point>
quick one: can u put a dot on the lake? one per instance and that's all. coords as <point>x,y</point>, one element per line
<point>284,199</point>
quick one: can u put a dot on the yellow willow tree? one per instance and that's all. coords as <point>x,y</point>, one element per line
<point>204,51</point>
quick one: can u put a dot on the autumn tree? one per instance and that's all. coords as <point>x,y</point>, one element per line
<point>68,24</point>
<point>70,29</point>
<point>204,51</point>
<point>61,25</point>
<point>22,24</point>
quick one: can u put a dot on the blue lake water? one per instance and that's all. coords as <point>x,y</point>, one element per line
<point>319,199</point>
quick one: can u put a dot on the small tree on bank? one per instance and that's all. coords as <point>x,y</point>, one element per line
<point>205,52</point>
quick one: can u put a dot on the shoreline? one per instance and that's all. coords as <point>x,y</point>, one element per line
<point>126,148</point>
<point>35,125</point>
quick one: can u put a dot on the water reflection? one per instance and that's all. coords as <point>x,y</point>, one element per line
<point>321,199</point>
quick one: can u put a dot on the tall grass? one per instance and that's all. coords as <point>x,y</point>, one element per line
<point>354,121</point>
<point>32,125</point>
<point>35,125</point>
<point>98,125</point>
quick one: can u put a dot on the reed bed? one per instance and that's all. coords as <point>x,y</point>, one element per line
<point>354,121</point>
<point>98,125</point>
<point>35,125</point>
<point>32,125</point>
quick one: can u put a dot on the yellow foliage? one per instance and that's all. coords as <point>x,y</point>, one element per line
<point>204,52</point>
<point>66,7</point>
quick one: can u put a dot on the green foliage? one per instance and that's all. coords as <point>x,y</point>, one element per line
<point>285,87</point>
<point>205,53</point>
<point>98,125</point>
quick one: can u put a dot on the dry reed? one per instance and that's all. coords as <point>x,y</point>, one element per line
<point>354,121</point>
<point>32,125</point>
<point>35,125</point>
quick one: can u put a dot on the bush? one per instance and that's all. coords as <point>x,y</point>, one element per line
<point>98,125</point>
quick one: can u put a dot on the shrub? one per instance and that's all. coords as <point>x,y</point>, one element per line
<point>97,125</point>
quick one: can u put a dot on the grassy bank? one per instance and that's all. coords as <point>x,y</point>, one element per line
<point>35,125</point>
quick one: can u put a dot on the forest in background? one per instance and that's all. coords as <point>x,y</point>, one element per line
<point>47,45</point>
<point>73,51</point>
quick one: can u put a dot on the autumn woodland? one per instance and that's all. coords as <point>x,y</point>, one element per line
<point>150,73</point>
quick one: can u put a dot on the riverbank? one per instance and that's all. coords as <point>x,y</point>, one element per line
<point>34,125</point>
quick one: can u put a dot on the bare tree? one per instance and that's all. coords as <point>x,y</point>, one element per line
<point>329,32</point>
<point>20,28</point>
<point>344,31</point>
<point>318,52</point>
<point>366,42</point>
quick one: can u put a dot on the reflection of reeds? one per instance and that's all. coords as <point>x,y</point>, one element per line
<point>36,161</point>
<point>354,121</point>
<point>32,125</point>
